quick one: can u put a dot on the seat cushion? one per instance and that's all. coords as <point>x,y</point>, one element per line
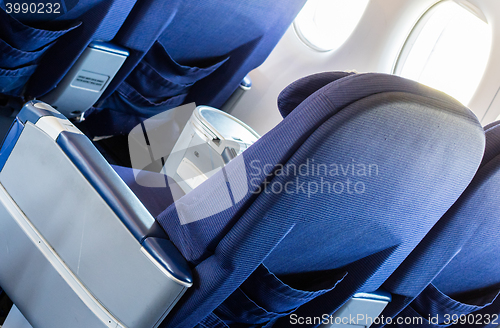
<point>146,186</point>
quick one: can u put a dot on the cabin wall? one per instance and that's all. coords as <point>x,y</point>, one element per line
<point>486,102</point>
<point>373,47</point>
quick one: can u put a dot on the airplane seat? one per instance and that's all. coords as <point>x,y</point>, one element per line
<point>452,275</point>
<point>155,199</point>
<point>78,248</point>
<point>176,52</point>
<point>260,240</point>
<point>295,93</point>
<point>245,235</point>
<point>200,55</point>
<point>23,44</point>
<point>22,47</point>
<point>37,50</point>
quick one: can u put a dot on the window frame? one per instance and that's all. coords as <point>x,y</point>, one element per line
<point>315,47</point>
<point>417,28</point>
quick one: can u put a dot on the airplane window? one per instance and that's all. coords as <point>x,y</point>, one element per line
<point>325,25</point>
<point>448,50</point>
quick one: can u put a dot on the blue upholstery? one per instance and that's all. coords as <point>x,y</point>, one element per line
<point>154,199</point>
<point>459,257</point>
<point>299,90</point>
<point>36,51</point>
<point>62,187</point>
<point>197,51</point>
<point>273,253</point>
<point>180,52</point>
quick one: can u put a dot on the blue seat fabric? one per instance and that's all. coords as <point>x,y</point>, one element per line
<point>154,199</point>
<point>180,52</point>
<point>273,253</point>
<point>460,256</point>
<point>200,54</point>
<point>36,50</point>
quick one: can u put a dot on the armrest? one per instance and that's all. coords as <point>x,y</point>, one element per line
<point>361,310</point>
<point>78,248</point>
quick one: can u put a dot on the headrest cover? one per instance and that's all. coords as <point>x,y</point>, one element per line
<point>298,91</point>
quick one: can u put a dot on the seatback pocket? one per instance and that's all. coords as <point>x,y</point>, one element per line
<point>21,47</point>
<point>264,298</point>
<point>158,77</point>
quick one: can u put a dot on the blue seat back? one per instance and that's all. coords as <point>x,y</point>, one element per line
<point>180,52</point>
<point>458,259</point>
<point>37,50</point>
<point>423,147</point>
<point>200,54</point>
